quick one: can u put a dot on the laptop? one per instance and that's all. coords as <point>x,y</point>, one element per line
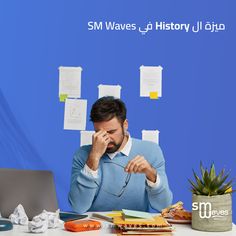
<point>33,189</point>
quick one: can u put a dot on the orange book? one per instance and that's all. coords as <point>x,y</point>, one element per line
<point>82,225</point>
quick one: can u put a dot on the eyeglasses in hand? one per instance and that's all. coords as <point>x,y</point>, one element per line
<point>127,179</point>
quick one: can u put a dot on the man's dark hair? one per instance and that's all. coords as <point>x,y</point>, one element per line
<point>106,108</point>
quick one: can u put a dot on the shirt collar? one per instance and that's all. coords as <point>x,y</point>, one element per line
<point>126,149</point>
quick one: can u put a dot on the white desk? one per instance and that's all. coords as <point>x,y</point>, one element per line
<point>180,230</point>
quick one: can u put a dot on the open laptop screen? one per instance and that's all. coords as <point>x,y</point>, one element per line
<point>33,189</point>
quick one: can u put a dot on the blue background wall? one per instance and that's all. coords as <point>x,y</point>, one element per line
<point>196,115</point>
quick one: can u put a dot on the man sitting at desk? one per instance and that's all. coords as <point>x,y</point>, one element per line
<point>117,171</point>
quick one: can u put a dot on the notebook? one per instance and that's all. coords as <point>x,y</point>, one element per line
<point>33,189</point>
<point>158,227</point>
<point>159,221</point>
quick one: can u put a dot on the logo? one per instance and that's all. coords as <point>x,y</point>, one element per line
<point>206,211</point>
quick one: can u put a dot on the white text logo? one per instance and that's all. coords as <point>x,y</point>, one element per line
<point>206,212</point>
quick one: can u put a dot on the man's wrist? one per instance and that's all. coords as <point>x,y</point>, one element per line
<point>154,184</point>
<point>151,174</point>
<point>93,161</point>
<point>88,171</point>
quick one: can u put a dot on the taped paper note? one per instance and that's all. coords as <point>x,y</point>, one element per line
<point>150,80</point>
<point>109,90</point>
<point>86,137</point>
<point>151,135</point>
<point>70,81</point>
<point>75,114</point>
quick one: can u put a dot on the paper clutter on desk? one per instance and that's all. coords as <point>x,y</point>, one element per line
<point>141,223</point>
<point>54,219</point>
<point>19,216</point>
<point>39,224</point>
<point>44,221</point>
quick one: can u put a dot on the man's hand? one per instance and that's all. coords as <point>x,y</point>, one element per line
<point>99,145</point>
<point>140,165</point>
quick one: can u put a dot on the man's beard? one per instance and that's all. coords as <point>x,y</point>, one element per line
<point>116,146</point>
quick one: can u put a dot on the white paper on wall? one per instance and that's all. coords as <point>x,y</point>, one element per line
<point>109,90</point>
<point>75,114</point>
<point>150,80</point>
<point>70,81</point>
<point>86,137</point>
<point>151,135</point>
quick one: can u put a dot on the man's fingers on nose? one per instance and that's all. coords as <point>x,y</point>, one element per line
<point>107,139</point>
<point>105,133</point>
<point>100,132</point>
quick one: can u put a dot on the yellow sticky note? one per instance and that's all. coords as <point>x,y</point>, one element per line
<point>153,95</point>
<point>63,97</point>
<point>115,213</point>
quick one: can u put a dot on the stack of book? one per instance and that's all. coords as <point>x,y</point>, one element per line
<point>141,223</point>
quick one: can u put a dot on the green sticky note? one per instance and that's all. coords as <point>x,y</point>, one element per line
<point>63,97</point>
<point>136,214</point>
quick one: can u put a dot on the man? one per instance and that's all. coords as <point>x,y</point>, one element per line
<point>117,172</point>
